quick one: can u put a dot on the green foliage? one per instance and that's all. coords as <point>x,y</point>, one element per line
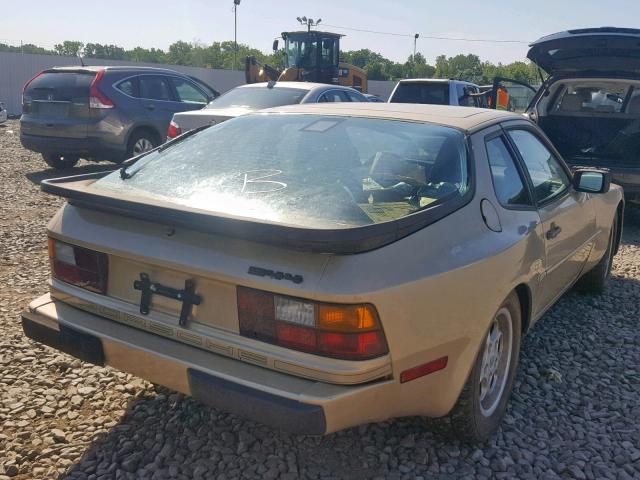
<point>223,55</point>
<point>72,48</point>
<point>111,52</point>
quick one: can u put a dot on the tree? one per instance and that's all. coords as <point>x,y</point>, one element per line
<point>416,67</point>
<point>461,67</point>
<point>180,53</point>
<point>71,48</point>
<point>221,55</point>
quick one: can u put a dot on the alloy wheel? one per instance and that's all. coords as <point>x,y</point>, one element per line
<point>142,145</point>
<point>496,362</point>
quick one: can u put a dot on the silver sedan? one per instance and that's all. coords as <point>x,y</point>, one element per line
<point>249,98</point>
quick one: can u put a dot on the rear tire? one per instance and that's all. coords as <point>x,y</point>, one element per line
<point>59,161</point>
<point>483,400</point>
<point>140,142</point>
<point>594,281</point>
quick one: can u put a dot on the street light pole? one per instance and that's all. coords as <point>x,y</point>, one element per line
<point>235,33</point>
<point>415,41</point>
<point>309,22</point>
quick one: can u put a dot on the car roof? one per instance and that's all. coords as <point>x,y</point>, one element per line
<point>124,68</point>
<point>433,80</point>
<point>463,118</point>
<point>299,85</point>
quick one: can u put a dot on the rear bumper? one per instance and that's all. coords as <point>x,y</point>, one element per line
<point>296,405</point>
<point>85,147</point>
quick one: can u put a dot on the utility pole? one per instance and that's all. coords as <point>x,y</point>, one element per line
<point>235,33</point>
<point>415,41</point>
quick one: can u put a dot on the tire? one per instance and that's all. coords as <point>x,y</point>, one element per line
<point>140,142</point>
<point>482,404</point>
<point>594,281</point>
<point>59,161</point>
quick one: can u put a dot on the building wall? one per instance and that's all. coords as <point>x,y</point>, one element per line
<point>16,69</point>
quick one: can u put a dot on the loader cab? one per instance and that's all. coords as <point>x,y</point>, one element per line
<point>315,56</point>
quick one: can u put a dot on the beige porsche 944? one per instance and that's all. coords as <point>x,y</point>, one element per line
<point>317,267</point>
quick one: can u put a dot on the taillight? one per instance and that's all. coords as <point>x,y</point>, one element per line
<point>24,89</point>
<point>97,99</point>
<point>350,332</point>
<point>79,266</point>
<point>174,130</point>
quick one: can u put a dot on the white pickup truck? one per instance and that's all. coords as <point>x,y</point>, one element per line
<point>437,91</point>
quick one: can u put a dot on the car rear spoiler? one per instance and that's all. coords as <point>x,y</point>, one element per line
<point>343,241</point>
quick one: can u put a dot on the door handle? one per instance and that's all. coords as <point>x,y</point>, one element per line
<point>150,107</point>
<point>553,232</point>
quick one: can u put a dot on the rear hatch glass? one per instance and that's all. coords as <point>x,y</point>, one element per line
<point>310,171</point>
<point>420,92</point>
<point>258,98</point>
<point>58,95</point>
<point>56,104</point>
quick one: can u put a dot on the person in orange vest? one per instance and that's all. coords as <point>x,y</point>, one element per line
<point>502,99</point>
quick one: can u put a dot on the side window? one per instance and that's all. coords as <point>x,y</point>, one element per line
<point>187,92</point>
<point>129,87</point>
<point>507,182</point>
<point>464,99</point>
<point>354,97</point>
<point>333,96</point>
<point>547,175</point>
<point>155,87</point>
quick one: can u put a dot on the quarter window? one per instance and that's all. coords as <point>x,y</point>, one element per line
<point>354,97</point>
<point>187,93</point>
<point>129,87</point>
<point>507,182</point>
<point>334,96</point>
<point>464,99</point>
<point>155,87</point>
<point>548,177</point>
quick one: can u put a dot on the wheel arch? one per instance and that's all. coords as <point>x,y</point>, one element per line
<point>144,127</point>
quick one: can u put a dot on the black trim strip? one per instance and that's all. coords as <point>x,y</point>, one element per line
<point>279,412</point>
<point>80,345</point>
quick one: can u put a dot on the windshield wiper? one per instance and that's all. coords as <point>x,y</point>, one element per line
<point>124,175</point>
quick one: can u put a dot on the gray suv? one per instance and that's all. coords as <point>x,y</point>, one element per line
<point>104,113</point>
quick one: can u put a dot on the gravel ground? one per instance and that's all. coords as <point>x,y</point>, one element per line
<point>574,413</point>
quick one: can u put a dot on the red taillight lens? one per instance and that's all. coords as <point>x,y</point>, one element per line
<point>352,345</point>
<point>351,332</point>
<point>97,99</point>
<point>79,266</point>
<point>174,130</point>
<point>26,102</point>
<point>24,89</point>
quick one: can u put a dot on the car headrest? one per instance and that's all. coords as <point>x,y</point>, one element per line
<point>571,102</point>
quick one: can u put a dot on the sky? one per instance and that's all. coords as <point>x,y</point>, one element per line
<point>157,24</point>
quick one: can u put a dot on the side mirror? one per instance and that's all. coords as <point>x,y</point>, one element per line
<point>591,180</point>
<point>275,45</point>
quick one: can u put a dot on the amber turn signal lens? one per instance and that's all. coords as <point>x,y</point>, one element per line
<point>347,318</point>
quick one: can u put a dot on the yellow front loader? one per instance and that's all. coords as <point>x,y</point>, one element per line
<point>310,56</point>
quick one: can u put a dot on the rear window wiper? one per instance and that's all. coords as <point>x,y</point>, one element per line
<point>124,175</point>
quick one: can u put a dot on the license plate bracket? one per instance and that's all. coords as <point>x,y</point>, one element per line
<point>187,296</point>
